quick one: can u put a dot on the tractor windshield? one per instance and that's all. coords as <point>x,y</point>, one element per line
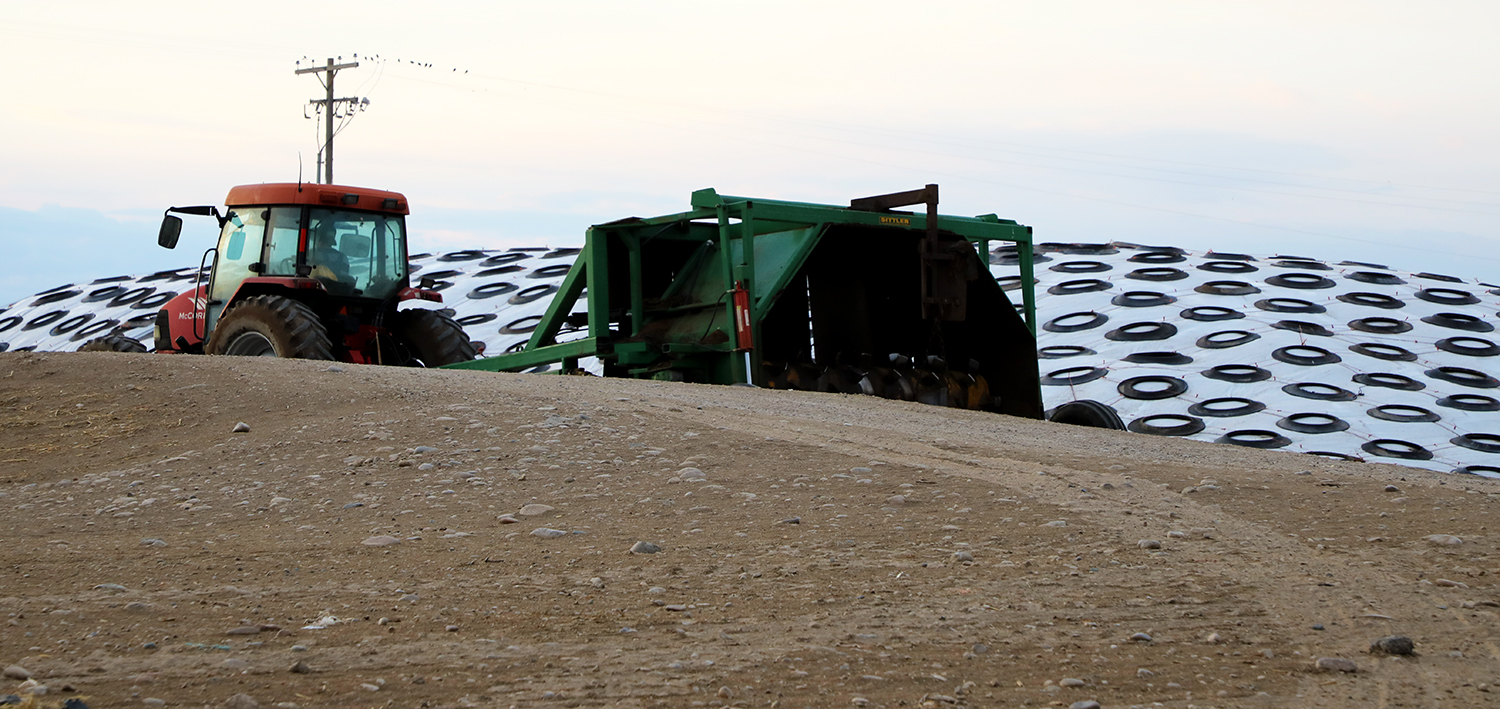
<point>357,253</point>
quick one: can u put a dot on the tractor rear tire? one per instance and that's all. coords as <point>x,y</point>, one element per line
<point>270,326</point>
<point>113,342</point>
<point>433,337</point>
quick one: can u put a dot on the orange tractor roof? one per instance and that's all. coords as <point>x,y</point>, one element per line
<point>336,196</point>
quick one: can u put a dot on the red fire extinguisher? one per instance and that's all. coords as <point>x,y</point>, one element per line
<point>744,338</point>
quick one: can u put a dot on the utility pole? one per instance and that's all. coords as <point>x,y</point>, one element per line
<point>330,103</point>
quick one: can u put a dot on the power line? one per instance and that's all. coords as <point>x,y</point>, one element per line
<point>1103,200</point>
<point>928,137</point>
<point>343,108</point>
<point>1396,201</point>
<point>70,33</point>
<point>1388,202</point>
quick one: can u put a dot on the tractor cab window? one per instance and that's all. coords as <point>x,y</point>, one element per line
<point>281,241</point>
<point>357,253</point>
<point>239,247</point>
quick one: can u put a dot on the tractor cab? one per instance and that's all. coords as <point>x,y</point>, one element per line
<point>300,257</point>
<point>349,254</point>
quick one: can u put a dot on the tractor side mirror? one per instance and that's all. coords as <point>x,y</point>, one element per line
<point>427,283</point>
<point>171,228</point>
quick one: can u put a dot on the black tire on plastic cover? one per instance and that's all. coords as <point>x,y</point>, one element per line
<point>476,319</point>
<point>153,301</point>
<point>1157,257</point>
<point>532,293</point>
<point>1010,283</point>
<point>1336,456</point>
<point>1470,402</point>
<point>270,326</point>
<point>1226,338</point>
<point>113,342</point>
<point>1226,406</point>
<point>71,324</point>
<point>1237,373</point>
<point>1389,353</point>
<point>1157,274</point>
<point>1061,351</point>
<point>1211,313</point>
<point>521,326</point>
<point>1081,267</point>
<point>1483,442</point>
<point>1302,264</point>
<point>1458,321</point>
<point>1487,471</point>
<point>105,293</point>
<point>1142,299</point>
<point>1394,448</point>
<point>1465,377</point>
<point>1158,358</point>
<point>502,259</point>
<point>1303,327</point>
<point>1226,267</point>
<point>1152,387</point>
<point>1072,376</point>
<point>1380,326</point>
<point>1087,413</point>
<point>1167,425</point>
<point>45,319</point>
<point>1075,322</point>
<point>1301,281</point>
<point>490,290</point>
<point>433,337</point>
<point>1305,355</point>
<point>1289,305</point>
<point>1373,300</point>
<point>1142,332</point>
<point>1255,438</point>
<point>1082,285</point>
<point>1382,279</point>
<point>1313,422</point>
<point>1318,391</point>
<point>91,330</point>
<point>1447,296</point>
<point>553,271</point>
<point>1227,288</point>
<point>1399,382</point>
<point>1403,413</point>
<point>56,297</point>
<point>1469,346</point>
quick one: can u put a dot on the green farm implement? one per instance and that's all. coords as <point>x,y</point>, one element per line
<point>858,299</point>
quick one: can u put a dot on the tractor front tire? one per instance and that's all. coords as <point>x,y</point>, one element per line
<point>270,326</point>
<point>113,342</point>
<point>433,338</point>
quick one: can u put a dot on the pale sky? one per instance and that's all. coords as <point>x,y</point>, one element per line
<point>1334,130</point>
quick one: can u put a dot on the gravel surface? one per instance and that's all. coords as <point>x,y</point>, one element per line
<point>411,538</point>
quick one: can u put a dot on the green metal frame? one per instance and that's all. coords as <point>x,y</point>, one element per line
<point>777,233</point>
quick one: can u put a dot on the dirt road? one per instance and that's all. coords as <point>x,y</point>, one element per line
<point>815,550</point>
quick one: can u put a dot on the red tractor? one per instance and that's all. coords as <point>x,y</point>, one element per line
<point>309,271</point>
